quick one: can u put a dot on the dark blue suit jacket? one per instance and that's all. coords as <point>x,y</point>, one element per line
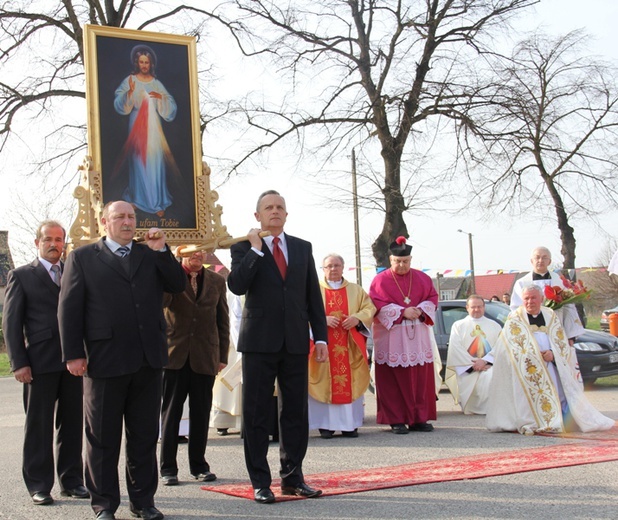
<point>277,311</point>
<point>29,320</point>
<point>113,318</point>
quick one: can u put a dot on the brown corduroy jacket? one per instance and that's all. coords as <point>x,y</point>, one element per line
<point>198,328</point>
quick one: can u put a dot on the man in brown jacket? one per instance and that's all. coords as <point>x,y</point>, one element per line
<point>198,343</point>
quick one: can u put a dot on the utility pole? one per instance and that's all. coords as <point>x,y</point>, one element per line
<point>472,284</point>
<point>359,276</point>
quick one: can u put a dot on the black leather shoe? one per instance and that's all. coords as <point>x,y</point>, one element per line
<point>263,496</point>
<point>76,492</point>
<point>222,431</point>
<point>42,499</point>
<point>148,513</point>
<point>207,476</point>
<point>421,427</point>
<point>399,429</point>
<point>301,490</point>
<point>326,434</point>
<point>169,480</point>
<point>353,433</point>
<point>105,514</point>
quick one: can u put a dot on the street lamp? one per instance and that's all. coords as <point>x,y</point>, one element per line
<point>472,285</point>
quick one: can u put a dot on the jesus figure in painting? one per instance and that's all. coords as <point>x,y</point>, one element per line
<point>144,98</point>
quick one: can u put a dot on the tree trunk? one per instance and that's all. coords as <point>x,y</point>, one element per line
<point>567,234</point>
<point>394,208</point>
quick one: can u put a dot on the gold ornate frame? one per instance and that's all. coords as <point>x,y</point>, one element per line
<point>87,227</point>
<point>91,192</point>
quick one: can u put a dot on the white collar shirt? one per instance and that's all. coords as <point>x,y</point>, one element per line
<point>114,246</point>
<point>282,245</point>
<point>48,266</point>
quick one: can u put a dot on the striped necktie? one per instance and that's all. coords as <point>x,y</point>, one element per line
<point>193,281</point>
<point>55,269</point>
<point>122,251</point>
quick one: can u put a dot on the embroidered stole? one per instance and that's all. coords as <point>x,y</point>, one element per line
<point>336,301</point>
<point>531,369</point>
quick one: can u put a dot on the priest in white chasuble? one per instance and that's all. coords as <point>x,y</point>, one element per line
<point>470,357</point>
<point>337,387</point>
<point>536,385</point>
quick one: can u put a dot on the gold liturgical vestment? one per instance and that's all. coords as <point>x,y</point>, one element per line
<point>345,377</point>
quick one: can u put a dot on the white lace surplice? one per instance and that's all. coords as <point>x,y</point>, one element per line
<point>406,344</point>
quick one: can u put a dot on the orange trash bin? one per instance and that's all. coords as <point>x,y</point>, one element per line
<point>613,324</point>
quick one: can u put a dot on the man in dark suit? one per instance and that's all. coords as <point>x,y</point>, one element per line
<point>278,276</point>
<point>198,339</point>
<point>30,326</point>
<point>113,330</point>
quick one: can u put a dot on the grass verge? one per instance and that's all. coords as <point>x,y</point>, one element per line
<point>607,381</point>
<point>5,367</point>
<point>593,323</point>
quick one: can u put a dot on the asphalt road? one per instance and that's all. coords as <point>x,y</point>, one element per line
<point>577,492</point>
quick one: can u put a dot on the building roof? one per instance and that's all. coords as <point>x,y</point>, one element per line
<point>450,283</point>
<point>495,284</point>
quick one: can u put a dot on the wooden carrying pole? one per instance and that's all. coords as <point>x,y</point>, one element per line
<point>214,244</point>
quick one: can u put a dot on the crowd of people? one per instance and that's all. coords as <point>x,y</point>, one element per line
<point>124,334</point>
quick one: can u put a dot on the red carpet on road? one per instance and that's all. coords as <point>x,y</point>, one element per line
<point>444,470</point>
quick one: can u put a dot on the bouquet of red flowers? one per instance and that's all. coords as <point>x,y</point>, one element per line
<point>573,292</point>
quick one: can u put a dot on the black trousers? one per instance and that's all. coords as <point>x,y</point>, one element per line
<point>53,402</point>
<point>259,374</point>
<point>136,400</point>
<point>177,385</point>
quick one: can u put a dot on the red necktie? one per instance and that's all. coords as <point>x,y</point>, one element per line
<point>279,258</point>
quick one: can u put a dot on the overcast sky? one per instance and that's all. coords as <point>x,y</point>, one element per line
<point>438,246</point>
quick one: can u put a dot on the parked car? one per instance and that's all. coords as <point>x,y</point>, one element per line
<point>597,352</point>
<point>605,318</point>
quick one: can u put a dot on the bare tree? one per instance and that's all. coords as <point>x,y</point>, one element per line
<point>42,88</point>
<point>28,215</point>
<point>357,69</point>
<point>549,126</point>
<point>42,61</point>
<point>362,69</point>
<point>41,54</point>
<point>604,285</point>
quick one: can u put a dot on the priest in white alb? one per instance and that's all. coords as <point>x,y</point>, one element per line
<point>227,390</point>
<point>541,276</point>
<point>336,388</point>
<point>470,357</point>
<point>536,385</point>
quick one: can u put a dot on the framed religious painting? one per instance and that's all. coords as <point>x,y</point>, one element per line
<point>144,127</point>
